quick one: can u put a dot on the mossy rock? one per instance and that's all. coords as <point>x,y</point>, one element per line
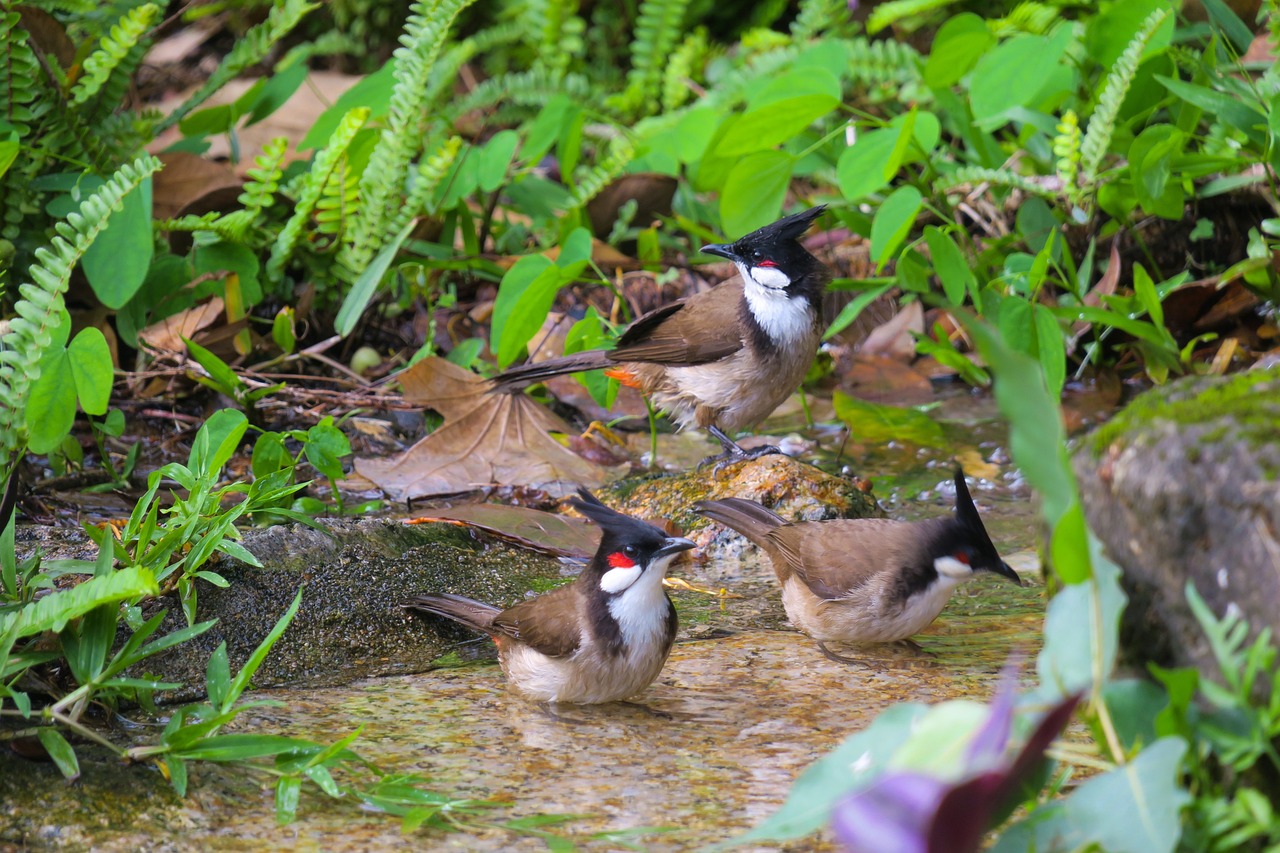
<point>1182,487</point>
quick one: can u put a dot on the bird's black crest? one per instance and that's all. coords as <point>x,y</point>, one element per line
<point>967,512</point>
<point>788,228</point>
<point>610,520</point>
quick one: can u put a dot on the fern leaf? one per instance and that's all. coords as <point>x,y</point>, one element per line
<point>657,31</point>
<point>259,191</point>
<point>588,184</point>
<point>249,51</point>
<point>431,171</point>
<point>41,300</point>
<point>817,17</point>
<point>114,48</point>
<point>1102,124</point>
<point>527,88</point>
<point>327,160</point>
<point>883,61</point>
<point>967,176</point>
<point>384,178</point>
<point>1066,147</point>
<point>683,68</point>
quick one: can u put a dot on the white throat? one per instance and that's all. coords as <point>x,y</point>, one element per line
<point>784,318</point>
<point>641,607</point>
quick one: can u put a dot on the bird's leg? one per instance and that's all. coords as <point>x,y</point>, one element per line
<point>733,452</point>
<point>916,647</point>
<point>830,655</point>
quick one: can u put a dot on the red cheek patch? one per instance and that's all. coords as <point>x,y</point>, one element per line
<point>766,264</point>
<point>961,556</point>
<point>619,560</point>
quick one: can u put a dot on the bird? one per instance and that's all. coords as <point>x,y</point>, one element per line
<point>602,638</point>
<point>870,580</point>
<point>724,359</point>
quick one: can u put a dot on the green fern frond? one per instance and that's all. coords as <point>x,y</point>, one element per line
<point>684,66</point>
<point>384,178</point>
<point>251,49</point>
<point>41,300</point>
<point>338,204</point>
<point>588,183</point>
<point>887,14</point>
<point>527,88</point>
<point>1102,123</point>
<point>559,31</point>
<point>71,7</point>
<point>191,223</point>
<point>817,17</point>
<point>327,160</point>
<point>657,31</point>
<point>114,48</point>
<point>1066,147</point>
<point>1029,17</point>
<point>883,61</point>
<point>259,190</point>
<point>968,176</point>
<point>431,171</point>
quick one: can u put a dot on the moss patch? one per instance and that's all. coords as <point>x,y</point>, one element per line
<point>1248,404</point>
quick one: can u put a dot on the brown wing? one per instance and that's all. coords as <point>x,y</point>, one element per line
<point>548,623</point>
<point>821,554</point>
<point>696,330</point>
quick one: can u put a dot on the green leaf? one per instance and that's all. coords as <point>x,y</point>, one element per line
<point>957,47</point>
<point>53,611</point>
<point>177,774</point>
<point>224,379</point>
<point>51,403</point>
<point>893,222</point>
<point>269,455</point>
<point>208,121</point>
<point>1131,809</point>
<point>754,191</point>
<point>279,87</point>
<point>86,644</point>
<point>1051,349</point>
<point>90,362</point>
<point>288,790</point>
<point>869,164</point>
<point>1081,627</point>
<point>216,441</point>
<point>850,312</point>
<point>372,92</point>
<point>282,331</point>
<point>367,284</point>
<point>1151,158</point>
<point>9,149</point>
<point>325,447</point>
<point>874,423</point>
<point>60,751</point>
<point>494,158</point>
<point>117,261</point>
<point>1012,75</point>
<point>950,265</point>
<point>217,679</point>
<point>243,747</point>
<point>781,109</point>
<point>514,323</point>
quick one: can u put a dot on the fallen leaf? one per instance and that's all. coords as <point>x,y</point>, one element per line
<point>883,380</point>
<point>652,193</point>
<point>974,465</point>
<point>872,423</point>
<point>560,535</point>
<point>1105,287</point>
<point>166,336</point>
<point>895,339</point>
<point>186,178</point>
<point>486,440</point>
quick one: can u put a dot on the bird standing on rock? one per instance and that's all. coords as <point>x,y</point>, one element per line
<point>866,580</point>
<point>602,638</point>
<point>723,359</point>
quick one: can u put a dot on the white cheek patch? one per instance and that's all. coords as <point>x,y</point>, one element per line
<point>770,277</point>
<point>616,580</point>
<point>950,567</point>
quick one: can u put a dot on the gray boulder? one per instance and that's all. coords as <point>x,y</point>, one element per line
<point>1184,485</point>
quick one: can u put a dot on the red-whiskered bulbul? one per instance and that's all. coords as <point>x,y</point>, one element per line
<point>725,358</point>
<point>869,580</point>
<point>603,637</point>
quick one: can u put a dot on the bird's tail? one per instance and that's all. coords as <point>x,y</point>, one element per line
<point>747,517</point>
<point>474,614</point>
<point>526,374</point>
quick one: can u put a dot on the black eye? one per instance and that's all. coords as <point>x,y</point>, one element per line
<point>630,550</point>
<point>756,254</point>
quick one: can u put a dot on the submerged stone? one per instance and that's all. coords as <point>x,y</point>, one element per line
<point>1182,486</point>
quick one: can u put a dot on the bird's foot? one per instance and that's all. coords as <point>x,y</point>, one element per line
<point>916,647</point>
<point>737,454</point>
<point>838,658</point>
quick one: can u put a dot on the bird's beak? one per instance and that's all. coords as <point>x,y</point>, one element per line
<point>720,250</point>
<point>1005,570</point>
<point>674,545</point>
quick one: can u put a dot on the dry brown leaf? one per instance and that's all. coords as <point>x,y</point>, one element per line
<point>885,380</point>
<point>185,178</point>
<point>561,535</point>
<point>487,439</point>
<point>894,339</point>
<point>975,466</point>
<point>166,335</point>
<point>652,193</point>
<point>1105,287</point>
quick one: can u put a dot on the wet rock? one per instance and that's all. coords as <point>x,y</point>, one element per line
<point>1184,486</point>
<point>794,490</point>
<point>350,624</point>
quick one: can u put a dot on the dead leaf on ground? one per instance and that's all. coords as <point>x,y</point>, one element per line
<point>885,380</point>
<point>186,178</point>
<point>166,335</point>
<point>1106,286</point>
<point>559,535</point>
<point>487,439</point>
<point>652,193</point>
<point>48,34</point>
<point>895,339</point>
<point>974,465</point>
